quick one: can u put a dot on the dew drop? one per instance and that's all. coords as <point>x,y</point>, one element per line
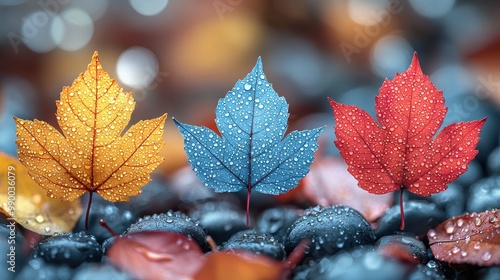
<point>449,228</point>
<point>66,254</point>
<point>152,255</point>
<point>247,86</point>
<point>486,256</point>
<point>39,218</point>
<point>36,198</point>
<point>340,243</point>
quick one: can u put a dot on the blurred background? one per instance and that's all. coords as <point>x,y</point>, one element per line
<point>181,56</point>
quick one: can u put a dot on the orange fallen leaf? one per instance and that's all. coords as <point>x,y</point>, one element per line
<point>243,266</point>
<point>246,265</point>
<point>92,154</point>
<point>24,201</point>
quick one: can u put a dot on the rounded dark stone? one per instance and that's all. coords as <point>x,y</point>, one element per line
<point>330,230</point>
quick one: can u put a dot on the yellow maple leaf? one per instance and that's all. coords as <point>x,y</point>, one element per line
<point>92,154</point>
<point>26,203</point>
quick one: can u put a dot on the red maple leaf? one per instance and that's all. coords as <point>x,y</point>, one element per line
<point>400,152</point>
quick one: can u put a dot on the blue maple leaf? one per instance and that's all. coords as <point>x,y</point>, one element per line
<point>251,152</point>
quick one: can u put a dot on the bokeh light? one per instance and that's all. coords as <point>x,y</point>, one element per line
<point>137,67</point>
<point>35,32</point>
<point>366,12</point>
<point>11,2</point>
<point>431,8</point>
<point>391,54</point>
<point>468,26</point>
<point>300,64</point>
<point>19,99</point>
<point>454,80</point>
<point>362,97</point>
<point>148,7</point>
<point>94,8</point>
<point>180,57</point>
<point>72,29</point>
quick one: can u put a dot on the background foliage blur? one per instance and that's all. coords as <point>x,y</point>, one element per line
<point>181,56</point>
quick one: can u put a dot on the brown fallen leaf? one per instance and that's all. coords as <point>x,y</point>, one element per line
<point>22,199</point>
<point>93,154</point>
<point>468,239</point>
<point>157,255</point>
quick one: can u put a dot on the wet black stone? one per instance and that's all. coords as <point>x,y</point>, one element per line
<point>493,162</point>
<point>330,230</point>
<point>488,273</point>
<point>12,255</point>
<point>38,269</point>
<point>410,247</point>
<point>484,195</point>
<point>173,221</point>
<point>276,221</point>
<point>11,247</point>
<point>420,217</point>
<point>451,201</point>
<point>116,218</point>
<point>106,244</point>
<point>72,249</point>
<point>362,263</point>
<point>301,271</point>
<point>257,242</point>
<point>473,174</point>
<point>431,271</point>
<point>100,271</point>
<point>220,219</point>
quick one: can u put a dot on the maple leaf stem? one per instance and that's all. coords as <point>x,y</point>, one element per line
<point>402,209</point>
<point>212,244</point>
<point>103,224</point>
<point>297,254</point>
<point>248,206</point>
<point>88,211</point>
